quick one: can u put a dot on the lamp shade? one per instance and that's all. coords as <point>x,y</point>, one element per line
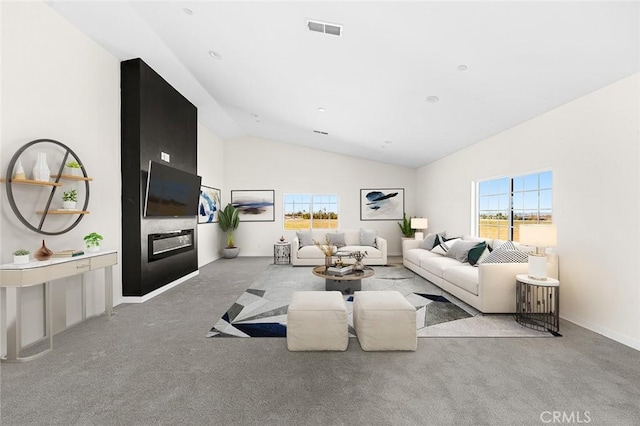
<point>539,235</point>
<point>419,223</point>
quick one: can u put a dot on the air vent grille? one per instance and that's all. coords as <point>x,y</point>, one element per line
<point>324,27</point>
<point>320,132</point>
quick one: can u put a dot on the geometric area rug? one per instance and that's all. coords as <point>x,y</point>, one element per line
<point>261,311</point>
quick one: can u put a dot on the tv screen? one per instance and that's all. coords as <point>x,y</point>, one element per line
<point>171,192</point>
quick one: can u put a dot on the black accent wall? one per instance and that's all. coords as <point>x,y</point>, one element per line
<point>155,118</point>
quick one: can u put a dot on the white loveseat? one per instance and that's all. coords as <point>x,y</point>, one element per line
<point>488,287</point>
<point>311,255</point>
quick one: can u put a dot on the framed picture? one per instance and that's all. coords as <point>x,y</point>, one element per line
<point>382,204</point>
<point>208,205</point>
<point>255,205</point>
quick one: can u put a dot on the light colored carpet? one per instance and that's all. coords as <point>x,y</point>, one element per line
<point>261,311</point>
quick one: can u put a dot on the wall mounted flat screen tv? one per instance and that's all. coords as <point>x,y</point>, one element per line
<point>171,192</point>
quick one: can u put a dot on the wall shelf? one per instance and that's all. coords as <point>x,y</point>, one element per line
<point>32,182</point>
<point>63,212</point>
<point>55,184</point>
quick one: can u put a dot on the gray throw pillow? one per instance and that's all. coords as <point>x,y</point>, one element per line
<point>368,237</point>
<point>305,238</point>
<point>460,250</point>
<point>336,239</point>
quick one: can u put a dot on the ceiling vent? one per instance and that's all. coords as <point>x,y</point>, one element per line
<point>324,27</point>
<point>320,132</point>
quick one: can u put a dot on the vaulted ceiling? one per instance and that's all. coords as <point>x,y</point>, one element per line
<point>405,83</point>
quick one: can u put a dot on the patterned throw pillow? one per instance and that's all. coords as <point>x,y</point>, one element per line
<point>476,253</point>
<point>444,246</point>
<point>500,255</point>
<point>304,237</point>
<point>336,239</point>
<point>432,240</point>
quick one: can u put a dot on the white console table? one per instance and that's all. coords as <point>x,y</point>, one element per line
<point>14,277</point>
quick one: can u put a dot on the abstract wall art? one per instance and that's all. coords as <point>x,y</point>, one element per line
<point>254,205</point>
<point>382,204</point>
<point>208,205</point>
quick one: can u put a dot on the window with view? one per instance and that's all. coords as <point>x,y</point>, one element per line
<point>506,203</point>
<point>310,211</point>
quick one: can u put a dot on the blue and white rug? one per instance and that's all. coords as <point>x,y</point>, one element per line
<point>261,311</point>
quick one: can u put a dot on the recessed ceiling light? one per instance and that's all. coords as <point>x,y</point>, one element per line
<point>321,109</point>
<point>214,54</point>
<point>462,67</point>
<point>432,99</point>
<point>187,11</point>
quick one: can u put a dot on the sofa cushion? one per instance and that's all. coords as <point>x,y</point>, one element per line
<point>336,239</point>
<point>460,250</point>
<point>464,276</point>
<point>305,239</point>
<point>415,255</point>
<point>368,237</point>
<point>310,252</point>
<point>437,264</point>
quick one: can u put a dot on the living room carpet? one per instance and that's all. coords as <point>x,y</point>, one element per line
<point>261,311</point>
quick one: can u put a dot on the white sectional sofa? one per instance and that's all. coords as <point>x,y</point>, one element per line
<point>310,255</point>
<point>488,287</point>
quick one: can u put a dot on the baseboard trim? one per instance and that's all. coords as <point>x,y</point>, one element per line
<point>606,332</point>
<point>154,293</point>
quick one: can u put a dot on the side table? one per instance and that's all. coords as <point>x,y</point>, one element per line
<point>282,253</point>
<point>538,303</point>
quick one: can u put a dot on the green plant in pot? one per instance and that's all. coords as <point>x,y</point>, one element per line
<point>69,199</point>
<point>21,257</point>
<point>229,219</point>
<point>73,168</point>
<point>405,227</point>
<point>92,241</point>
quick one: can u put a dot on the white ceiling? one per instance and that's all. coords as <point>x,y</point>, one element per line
<point>523,59</point>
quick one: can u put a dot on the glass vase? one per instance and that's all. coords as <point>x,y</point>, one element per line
<point>328,261</point>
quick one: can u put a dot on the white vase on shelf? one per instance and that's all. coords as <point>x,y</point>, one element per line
<point>18,173</point>
<point>41,171</point>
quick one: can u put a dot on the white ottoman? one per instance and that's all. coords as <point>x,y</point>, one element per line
<point>317,321</point>
<point>384,321</point>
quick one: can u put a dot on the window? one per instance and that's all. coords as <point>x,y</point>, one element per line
<point>309,211</point>
<point>506,203</point>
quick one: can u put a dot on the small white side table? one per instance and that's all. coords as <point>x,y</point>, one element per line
<point>538,303</point>
<point>282,253</point>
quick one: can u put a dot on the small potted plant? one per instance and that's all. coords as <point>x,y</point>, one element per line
<point>229,220</point>
<point>20,257</point>
<point>405,227</point>
<point>69,199</point>
<point>92,241</point>
<point>73,168</point>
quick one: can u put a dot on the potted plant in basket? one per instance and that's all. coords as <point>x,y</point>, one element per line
<point>69,199</point>
<point>92,241</point>
<point>229,219</point>
<point>405,227</point>
<point>20,257</point>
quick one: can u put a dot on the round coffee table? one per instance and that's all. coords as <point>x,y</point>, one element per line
<point>347,283</point>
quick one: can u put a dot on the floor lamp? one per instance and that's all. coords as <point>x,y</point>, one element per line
<point>419,223</point>
<point>541,237</point>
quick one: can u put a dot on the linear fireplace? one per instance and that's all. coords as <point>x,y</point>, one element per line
<point>170,243</point>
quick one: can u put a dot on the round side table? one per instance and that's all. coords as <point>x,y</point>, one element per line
<point>281,253</point>
<point>538,303</point>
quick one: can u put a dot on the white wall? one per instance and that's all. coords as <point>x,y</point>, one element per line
<point>59,84</point>
<point>592,146</point>
<point>210,165</point>
<point>253,163</point>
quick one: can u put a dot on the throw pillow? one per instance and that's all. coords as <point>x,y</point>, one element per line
<point>506,256</point>
<point>460,250</point>
<point>336,239</point>
<point>304,237</point>
<point>476,252</point>
<point>432,240</point>
<point>368,237</point>
<point>507,245</point>
<point>444,246</point>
